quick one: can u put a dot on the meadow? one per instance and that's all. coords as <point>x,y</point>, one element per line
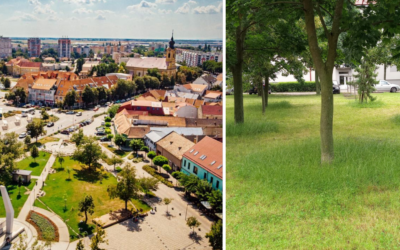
<point>280,197</point>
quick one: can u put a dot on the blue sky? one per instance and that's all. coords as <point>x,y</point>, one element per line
<point>150,19</point>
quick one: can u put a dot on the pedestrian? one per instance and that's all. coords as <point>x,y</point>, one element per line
<point>155,209</point>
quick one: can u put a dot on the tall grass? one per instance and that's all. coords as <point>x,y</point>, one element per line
<point>279,196</point>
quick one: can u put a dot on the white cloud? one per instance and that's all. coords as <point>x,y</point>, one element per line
<point>84,1</point>
<point>34,2</point>
<point>184,9</point>
<point>192,2</point>
<point>166,1</point>
<point>210,9</point>
<point>100,17</point>
<point>44,9</point>
<point>104,12</point>
<point>26,17</point>
<point>53,18</point>
<point>164,11</point>
<point>143,6</point>
<point>82,11</point>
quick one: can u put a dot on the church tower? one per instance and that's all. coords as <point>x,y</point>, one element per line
<point>170,57</point>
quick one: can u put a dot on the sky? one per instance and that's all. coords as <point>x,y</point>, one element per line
<point>134,19</point>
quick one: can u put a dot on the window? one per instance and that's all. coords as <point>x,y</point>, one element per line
<point>205,176</point>
<point>194,169</point>
<point>184,163</point>
<point>217,186</point>
<point>189,166</point>
<point>211,179</point>
<point>148,108</point>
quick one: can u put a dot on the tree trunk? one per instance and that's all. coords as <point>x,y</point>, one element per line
<point>263,99</point>
<point>317,84</point>
<point>126,205</point>
<point>384,71</point>
<point>237,75</point>
<point>326,122</point>
<point>86,217</point>
<point>266,90</point>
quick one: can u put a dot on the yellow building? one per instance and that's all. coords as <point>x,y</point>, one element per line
<point>21,66</point>
<point>139,66</point>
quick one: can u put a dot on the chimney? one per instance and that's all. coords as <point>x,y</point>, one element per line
<point>179,148</point>
<point>170,143</point>
<point>196,139</point>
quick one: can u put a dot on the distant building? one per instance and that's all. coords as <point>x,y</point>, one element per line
<point>34,46</point>
<point>20,66</point>
<point>5,47</point>
<point>210,112</point>
<point>64,47</point>
<point>43,91</point>
<point>205,161</point>
<point>196,58</point>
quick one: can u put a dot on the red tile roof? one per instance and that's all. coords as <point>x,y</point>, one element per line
<point>211,110</point>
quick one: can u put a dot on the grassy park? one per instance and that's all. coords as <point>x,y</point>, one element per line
<point>59,187</point>
<point>35,165</point>
<point>280,197</point>
<point>17,199</point>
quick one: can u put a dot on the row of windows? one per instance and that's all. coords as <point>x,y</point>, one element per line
<point>148,108</point>
<point>195,169</point>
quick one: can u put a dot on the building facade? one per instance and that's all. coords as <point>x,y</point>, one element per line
<point>195,58</point>
<point>34,46</point>
<point>64,47</point>
<point>5,47</point>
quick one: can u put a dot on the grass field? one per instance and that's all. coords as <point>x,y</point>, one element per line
<point>17,200</point>
<point>280,197</point>
<point>116,150</point>
<point>34,165</point>
<point>59,186</point>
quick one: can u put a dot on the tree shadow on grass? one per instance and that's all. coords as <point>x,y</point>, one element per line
<point>85,229</point>
<point>33,164</point>
<point>89,175</point>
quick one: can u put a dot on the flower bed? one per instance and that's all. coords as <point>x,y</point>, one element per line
<point>47,230</point>
<point>151,171</point>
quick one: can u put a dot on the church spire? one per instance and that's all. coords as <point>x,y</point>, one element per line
<point>172,42</point>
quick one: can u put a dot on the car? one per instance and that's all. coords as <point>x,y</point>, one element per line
<point>123,100</point>
<point>385,86</point>
<point>82,124</point>
<point>65,132</point>
<point>50,124</point>
<point>336,87</point>
<point>103,123</point>
<point>101,133</point>
<point>79,114</point>
<point>70,112</point>
<point>104,138</point>
<point>22,135</point>
<point>253,90</point>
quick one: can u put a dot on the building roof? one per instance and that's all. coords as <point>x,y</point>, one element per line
<point>195,87</point>
<point>30,64</point>
<point>175,144</point>
<point>49,59</point>
<point>179,130</point>
<point>44,84</point>
<point>170,121</point>
<point>146,104</point>
<point>22,172</point>
<point>197,122</point>
<point>212,94</point>
<point>147,63</point>
<point>198,103</point>
<point>155,136</point>
<point>208,155</point>
<point>137,132</point>
<point>211,110</point>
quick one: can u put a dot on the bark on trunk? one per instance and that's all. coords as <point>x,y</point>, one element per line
<point>237,75</point>
<point>384,71</point>
<point>263,99</point>
<point>317,84</point>
<point>326,122</point>
<point>266,90</point>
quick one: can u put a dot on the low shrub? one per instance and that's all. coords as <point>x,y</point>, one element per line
<point>137,160</point>
<point>108,131</point>
<point>151,171</point>
<point>118,169</point>
<point>108,124</point>
<point>45,226</point>
<point>145,149</point>
<point>107,119</point>
<point>293,87</point>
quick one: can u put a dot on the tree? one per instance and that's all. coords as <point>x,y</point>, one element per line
<point>10,150</point>
<point>35,129</point>
<point>128,186</point>
<point>215,200</point>
<point>160,161</point>
<point>166,82</point>
<point>190,183</point>
<point>167,201</point>
<point>122,68</point>
<point>79,64</point>
<point>27,140</point>
<point>67,69</point>
<point>203,190</point>
<point>148,183</point>
<point>151,156</point>
<point>70,98</point>
<point>115,160</point>
<point>78,138</point>
<point>192,222</point>
<point>86,205</point>
<point>34,152</point>
<point>88,95</point>
<point>89,152</point>
<point>112,111</point>
<point>80,245</point>
<point>61,159</point>
<point>45,115</point>
<point>215,235</point>
<point>140,84</point>
<point>98,238</point>
<point>7,83</point>
<point>19,184</point>
<point>119,140</point>
<point>136,145</point>
<point>365,80</point>
<point>166,167</point>
<point>102,93</point>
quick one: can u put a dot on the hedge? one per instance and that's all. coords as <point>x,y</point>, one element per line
<point>293,87</point>
<point>151,171</point>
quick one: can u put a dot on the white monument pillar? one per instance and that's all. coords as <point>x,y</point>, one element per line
<point>9,210</point>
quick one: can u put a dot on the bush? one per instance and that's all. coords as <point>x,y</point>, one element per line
<point>145,149</point>
<point>293,87</point>
<point>108,131</point>
<point>152,172</point>
<point>108,124</point>
<point>118,169</point>
<point>107,119</point>
<point>45,226</point>
<point>175,174</point>
<point>137,160</point>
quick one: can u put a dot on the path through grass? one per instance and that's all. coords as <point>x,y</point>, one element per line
<point>278,195</point>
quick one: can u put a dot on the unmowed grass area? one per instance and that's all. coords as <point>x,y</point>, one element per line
<point>280,197</point>
<point>59,186</point>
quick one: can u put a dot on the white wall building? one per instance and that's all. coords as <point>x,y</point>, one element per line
<point>5,47</point>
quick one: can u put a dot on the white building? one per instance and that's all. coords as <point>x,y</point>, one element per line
<point>5,47</point>
<point>194,58</point>
<point>43,91</point>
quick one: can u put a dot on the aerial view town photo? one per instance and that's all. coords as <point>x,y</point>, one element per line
<point>111,124</point>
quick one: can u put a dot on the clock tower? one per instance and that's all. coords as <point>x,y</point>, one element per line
<point>170,57</point>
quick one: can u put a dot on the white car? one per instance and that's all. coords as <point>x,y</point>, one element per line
<point>22,135</point>
<point>385,86</point>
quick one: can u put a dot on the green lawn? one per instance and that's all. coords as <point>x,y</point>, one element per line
<point>116,150</point>
<point>59,186</point>
<point>280,197</point>
<point>17,200</point>
<point>34,165</point>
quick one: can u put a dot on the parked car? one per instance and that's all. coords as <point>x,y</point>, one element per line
<point>101,133</point>
<point>336,87</point>
<point>79,114</point>
<point>22,135</point>
<point>229,91</point>
<point>385,86</point>
<point>65,132</point>
<point>82,124</point>
<point>104,138</point>
<point>70,112</point>
<point>103,123</point>
<point>253,90</point>
<point>50,124</point>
